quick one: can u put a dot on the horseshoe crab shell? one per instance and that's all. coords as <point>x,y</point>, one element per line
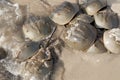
<point>82,17</point>
<point>112,40</point>
<point>38,28</point>
<point>106,19</point>
<point>63,13</point>
<point>80,36</point>
<point>93,7</point>
<point>28,50</point>
<point>37,66</point>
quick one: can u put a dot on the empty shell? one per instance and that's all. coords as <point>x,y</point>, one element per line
<point>112,40</point>
<point>38,28</point>
<point>82,17</point>
<point>106,19</point>
<point>80,36</point>
<point>63,13</point>
<point>93,7</point>
<point>28,50</point>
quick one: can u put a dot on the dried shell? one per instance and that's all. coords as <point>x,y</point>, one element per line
<point>112,40</point>
<point>80,36</point>
<point>63,13</point>
<point>106,19</point>
<point>82,17</point>
<point>37,66</point>
<point>28,50</point>
<point>38,28</point>
<point>93,7</point>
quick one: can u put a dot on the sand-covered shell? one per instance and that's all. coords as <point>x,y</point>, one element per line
<point>106,19</point>
<point>27,51</point>
<point>112,40</point>
<point>80,36</point>
<point>38,28</point>
<point>63,13</point>
<point>37,66</point>
<point>82,17</point>
<point>97,47</point>
<point>94,6</point>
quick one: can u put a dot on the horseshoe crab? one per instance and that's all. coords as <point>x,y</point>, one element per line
<point>38,28</point>
<point>40,65</point>
<point>106,19</point>
<point>36,63</point>
<point>27,51</point>
<point>37,67</point>
<point>112,40</point>
<point>63,13</point>
<point>80,36</point>
<point>94,6</point>
<point>82,17</point>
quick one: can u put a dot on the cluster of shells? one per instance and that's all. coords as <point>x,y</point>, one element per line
<point>94,28</point>
<point>28,50</point>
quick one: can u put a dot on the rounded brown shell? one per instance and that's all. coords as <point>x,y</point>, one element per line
<point>37,67</point>
<point>82,17</point>
<point>38,28</point>
<point>63,13</point>
<point>112,40</point>
<point>94,6</point>
<point>106,19</point>
<point>28,50</point>
<point>80,36</point>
